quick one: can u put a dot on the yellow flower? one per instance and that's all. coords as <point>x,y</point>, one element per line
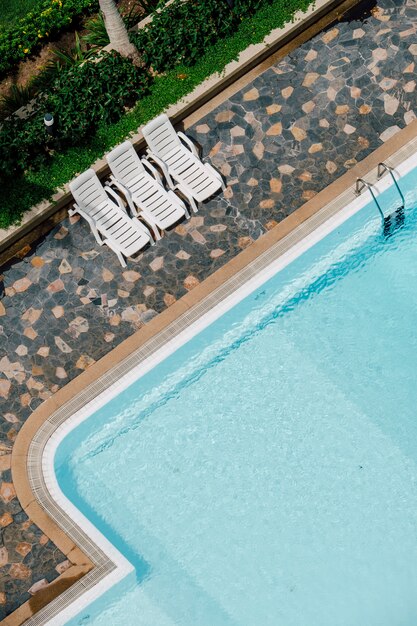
<point>40,35</point>
<point>26,50</point>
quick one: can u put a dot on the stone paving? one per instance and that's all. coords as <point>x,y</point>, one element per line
<point>278,142</point>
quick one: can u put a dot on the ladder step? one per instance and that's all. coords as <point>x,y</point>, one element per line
<point>388,222</point>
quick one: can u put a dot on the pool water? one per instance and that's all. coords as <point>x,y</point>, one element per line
<point>266,472</point>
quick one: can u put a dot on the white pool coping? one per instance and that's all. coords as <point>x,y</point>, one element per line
<point>110,565</point>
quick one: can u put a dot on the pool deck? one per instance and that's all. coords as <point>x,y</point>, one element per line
<point>279,141</point>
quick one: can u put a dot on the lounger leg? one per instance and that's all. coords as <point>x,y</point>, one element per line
<point>156,232</point>
<point>193,205</point>
<point>121,258</point>
<point>189,197</point>
<point>97,236</point>
<point>149,225</point>
<point>154,228</point>
<point>117,252</point>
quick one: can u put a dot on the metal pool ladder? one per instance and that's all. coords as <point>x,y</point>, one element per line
<point>388,222</point>
<point>383,167</point>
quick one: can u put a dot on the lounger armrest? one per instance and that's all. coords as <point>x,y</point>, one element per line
<point>125,191</point>
<point>152,170</point>
<point>163,167</point>
<point>90,222</point>
<point>112,194</point>
<point>190,145</point>
<point>75,210</point>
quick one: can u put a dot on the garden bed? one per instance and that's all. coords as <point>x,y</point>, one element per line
<point>24,73</point>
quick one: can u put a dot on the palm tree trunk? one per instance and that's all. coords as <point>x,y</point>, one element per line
<point>117,32</point>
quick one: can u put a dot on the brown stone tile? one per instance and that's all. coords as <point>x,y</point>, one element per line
<point>273,108</point>
<point>252,94</point>
<point>21,285</point>
<point>299,134</point>
<point>275,129</point>
<point>330,35</point>
<point>56,286</point>
<point>275,185</point>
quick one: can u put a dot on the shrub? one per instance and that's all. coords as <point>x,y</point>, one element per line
<point>30,32</point>
<point>182,31</point>
<point>81,98</point>
<point>103,91</point>
<point>21,144</point>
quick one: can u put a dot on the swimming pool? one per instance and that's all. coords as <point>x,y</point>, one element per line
<point>265,473</point>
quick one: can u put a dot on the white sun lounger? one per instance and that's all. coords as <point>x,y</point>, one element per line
<point>146,196</point>
<point>108,221</point>
<point>178,158</point>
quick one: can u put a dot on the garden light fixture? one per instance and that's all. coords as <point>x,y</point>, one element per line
<point>49,123</point>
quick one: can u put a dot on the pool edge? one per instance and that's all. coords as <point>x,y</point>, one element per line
<point>26,456</point>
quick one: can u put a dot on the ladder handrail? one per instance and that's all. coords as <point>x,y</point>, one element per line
<point>359,188</point>
<point>383,167</point>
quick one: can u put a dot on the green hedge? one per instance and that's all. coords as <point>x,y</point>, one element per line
<point>30,33</point>
<point>182,32</point>
<point>20,194</point>
<point>81,99</point>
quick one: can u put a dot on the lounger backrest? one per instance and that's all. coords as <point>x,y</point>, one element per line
<point>160,136</point>
<point>125,163</point>
<point>87,190</point>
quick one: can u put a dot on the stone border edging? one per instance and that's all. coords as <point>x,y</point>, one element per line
<point>41,218</point>
<point>82,564</point>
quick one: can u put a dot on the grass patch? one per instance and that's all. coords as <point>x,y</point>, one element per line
<point>12,10</point>
<point>20,195</point>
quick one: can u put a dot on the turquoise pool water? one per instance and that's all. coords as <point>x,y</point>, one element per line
<point>266,473</point>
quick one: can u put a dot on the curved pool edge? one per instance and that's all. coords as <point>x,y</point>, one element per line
<point>96,564</point>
